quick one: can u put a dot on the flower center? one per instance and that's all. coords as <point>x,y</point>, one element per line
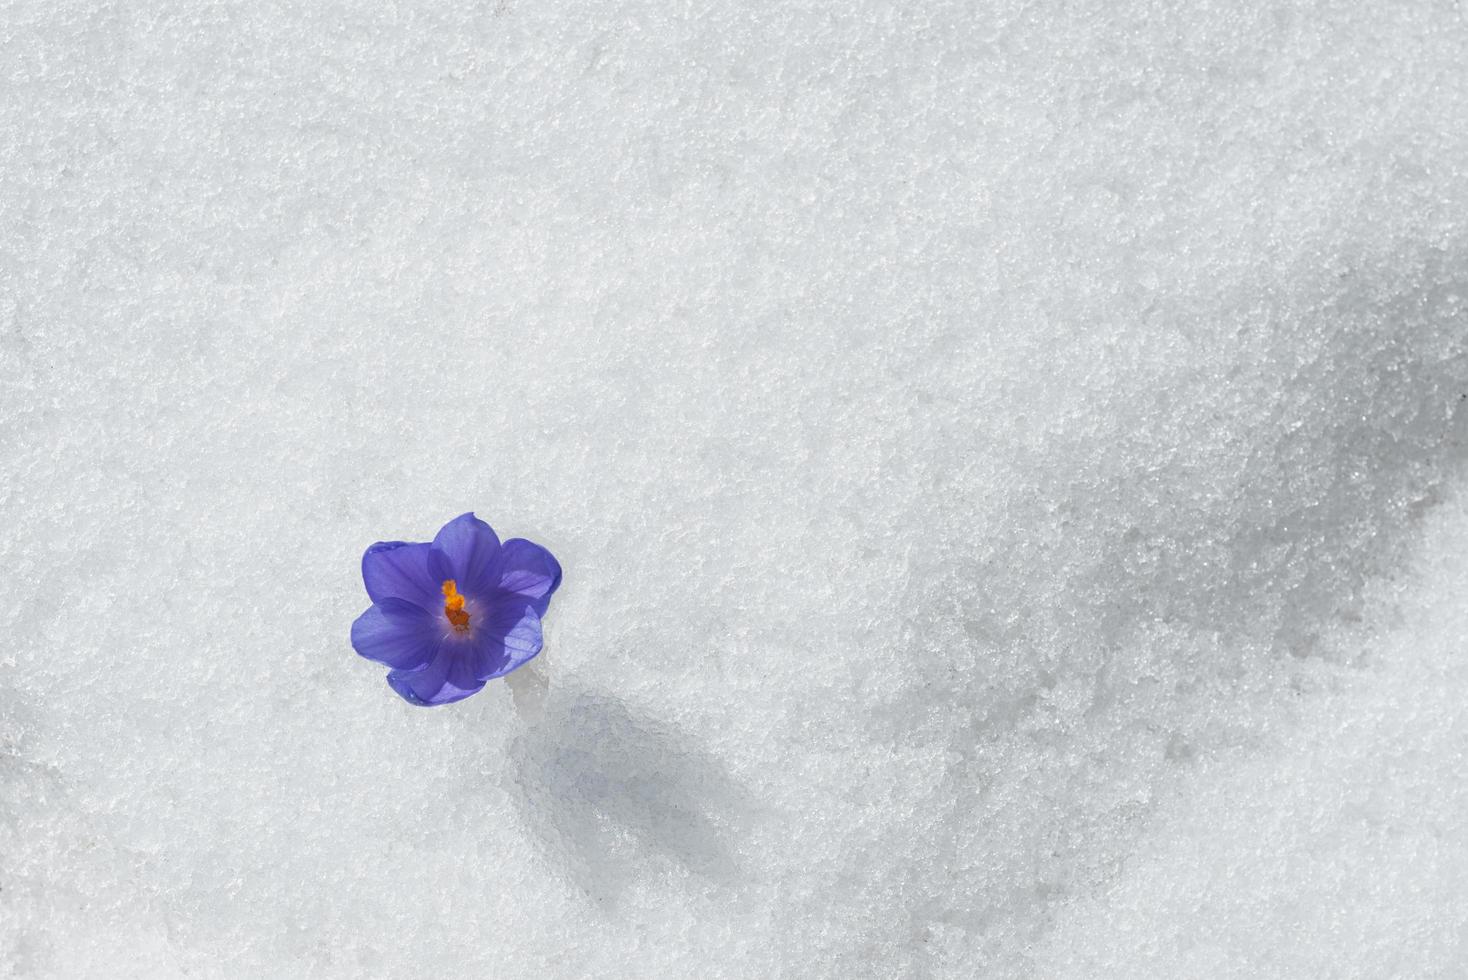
<point>453,606</point>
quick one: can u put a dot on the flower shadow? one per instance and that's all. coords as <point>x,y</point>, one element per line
<point>611,796</point>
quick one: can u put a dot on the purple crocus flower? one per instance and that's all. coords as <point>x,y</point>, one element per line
<point>449,615</point>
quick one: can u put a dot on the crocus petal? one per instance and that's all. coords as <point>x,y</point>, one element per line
<point>399,569</point>
<point>513,638</point>
<point>529,571</point>
<point>397,633</point>
<point>466,550</point>
<point>449,678</point>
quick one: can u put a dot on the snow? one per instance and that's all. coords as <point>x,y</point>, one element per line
<point>1008,464</point>
<point>1340,852</point>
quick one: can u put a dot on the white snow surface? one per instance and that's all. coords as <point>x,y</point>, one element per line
<point>1008,462</point>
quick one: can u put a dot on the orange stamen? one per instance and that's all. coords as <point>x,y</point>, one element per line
<point>453,605</point>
